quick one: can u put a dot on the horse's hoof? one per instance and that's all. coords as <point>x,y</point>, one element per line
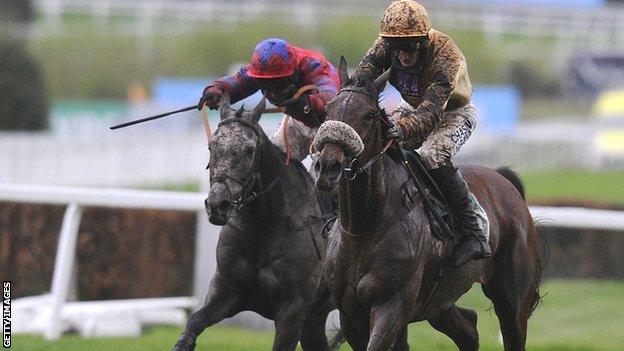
<point>184,344</point>
<point>179,347</point>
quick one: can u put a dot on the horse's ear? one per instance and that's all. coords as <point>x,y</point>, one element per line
<point>380,82</point>
<point>259,109</point>
<point>224,106</point>
<point>343,73</point>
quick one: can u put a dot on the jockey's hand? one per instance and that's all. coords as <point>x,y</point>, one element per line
<point>298,106</point>
<point>211,98</point>
<point>394,131</point>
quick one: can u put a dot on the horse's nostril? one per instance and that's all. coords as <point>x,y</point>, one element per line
<point>334,167</point>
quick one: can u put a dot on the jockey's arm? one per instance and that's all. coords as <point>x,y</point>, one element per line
<point>325,78</point>
<point>375,62</point>
<point>239,85</point>
<point>326,89</point>
<point>445,65</point>
<point>426,116</point>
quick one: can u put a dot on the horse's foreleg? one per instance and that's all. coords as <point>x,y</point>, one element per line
<point>356,336</point>
<point>387,321</point>
<point>313,334</point>
<point>289,321</point>
<point>401,342</point>
<point>460,325</point>
<point>220,304</point>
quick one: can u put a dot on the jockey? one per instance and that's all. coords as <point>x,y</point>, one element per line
<point>279,70</point>
<point>430,72</point>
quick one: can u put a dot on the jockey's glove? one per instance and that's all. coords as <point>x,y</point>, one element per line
<point>394,131</point>
<point>299,106</point>
<point>211,98</point>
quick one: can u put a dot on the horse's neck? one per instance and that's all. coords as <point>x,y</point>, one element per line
<point>276,203</point>
<point>368,201</point>
<point>364,201</point>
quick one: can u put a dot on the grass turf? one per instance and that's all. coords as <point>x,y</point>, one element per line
<point>579,185</point>
<point>605,187</point>
<point>574,315</point>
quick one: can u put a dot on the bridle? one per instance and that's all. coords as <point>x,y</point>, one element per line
<point>253,177</point>
<point>354,170</point>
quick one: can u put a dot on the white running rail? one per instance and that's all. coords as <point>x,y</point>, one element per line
<point>54,312</point>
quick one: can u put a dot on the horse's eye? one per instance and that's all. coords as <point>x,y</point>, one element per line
<point>249,150</point>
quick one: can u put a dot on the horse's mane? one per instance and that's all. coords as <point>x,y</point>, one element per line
<point>367,84</point>
<point>364,83</point>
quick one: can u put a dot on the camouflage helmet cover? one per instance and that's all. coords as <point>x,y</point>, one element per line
<point>405,18</point>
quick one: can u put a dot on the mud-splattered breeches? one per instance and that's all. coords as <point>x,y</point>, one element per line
<point>438,143</point>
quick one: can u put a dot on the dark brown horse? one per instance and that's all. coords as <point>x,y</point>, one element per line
<point>270,249</point>
<point>383,260</point>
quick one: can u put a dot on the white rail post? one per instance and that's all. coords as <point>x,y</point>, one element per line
<point>207,236</point>
<point>63,265</point>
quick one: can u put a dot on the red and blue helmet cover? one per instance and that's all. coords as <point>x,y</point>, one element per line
<point>272,58</point>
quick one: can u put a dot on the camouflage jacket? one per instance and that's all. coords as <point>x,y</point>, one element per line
<point>441,84</point>
<point>312,68</point>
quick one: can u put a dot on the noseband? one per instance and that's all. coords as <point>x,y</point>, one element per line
<point>353,170</point>
<point>247,193</point>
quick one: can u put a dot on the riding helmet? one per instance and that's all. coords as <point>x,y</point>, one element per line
<point>405,18</point>
<point>273,58</point>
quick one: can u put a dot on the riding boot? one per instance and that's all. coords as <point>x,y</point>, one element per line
<point>473,244</point>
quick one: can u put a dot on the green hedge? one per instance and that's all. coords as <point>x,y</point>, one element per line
<point>90,62</point>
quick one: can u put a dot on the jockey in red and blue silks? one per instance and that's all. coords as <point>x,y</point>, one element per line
<point>279,70</point>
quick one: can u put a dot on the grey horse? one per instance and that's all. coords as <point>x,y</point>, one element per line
<point>270,249</point>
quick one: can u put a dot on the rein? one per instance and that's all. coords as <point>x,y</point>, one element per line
<point>354,170</point>
<point>247,193</point>
<point>301,90</point>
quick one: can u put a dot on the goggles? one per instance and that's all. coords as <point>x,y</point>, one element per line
<point>408,46</point>
<point>275,84</point>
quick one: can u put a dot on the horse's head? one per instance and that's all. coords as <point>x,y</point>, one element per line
<point>234,159</point>
<point>351,122</point>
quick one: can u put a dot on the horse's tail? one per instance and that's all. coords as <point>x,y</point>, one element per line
<point>543,256</point>
<point>544,251</point>
<point>514,178</point>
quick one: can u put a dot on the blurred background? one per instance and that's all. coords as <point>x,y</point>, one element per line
<point>549,86</point>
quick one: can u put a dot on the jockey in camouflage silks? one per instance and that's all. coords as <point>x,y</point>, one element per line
<point>280,70</point>
<point>437,114</point>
